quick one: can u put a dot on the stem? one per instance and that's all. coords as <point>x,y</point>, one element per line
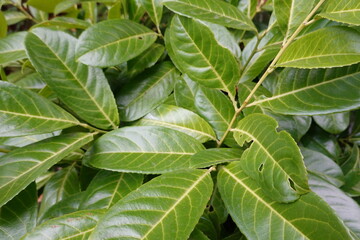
<point>270,69</point>
<point>22,9</point>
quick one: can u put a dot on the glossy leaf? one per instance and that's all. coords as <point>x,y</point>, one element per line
<point>351,169</point>
<point>214,156</point>
<point>319,91</point>
<point>184,93</point>
<point>112,42</point>
<point>146,92</point>
<point>61,185</point>
<point>12,48</point>
<point>24,165</point>
<point>143,150</point>
<point>198,235</point>
<point>64,23</point>
<point>333,123</point>
<point>214,11</point>
<point>346,11</point>
<point>171,213</point>
<point>181,120</point>
<point>273,160</point>
<point>154,8</point>
<point>107,188</point>
<point>13,17</point>
<point>53,55</point>
<point>345,207</point>
<point>18,216</point>
<point>46,6</point>
<point>214,66</point>
<point>323,54</point>
<point>22,112</point>
<point>77,225</point>
<point>214,107</point>
<point>261,218</point>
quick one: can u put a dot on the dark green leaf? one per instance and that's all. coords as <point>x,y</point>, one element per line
<point>184,93</point>
<point>12,48</point>
<point>64,23</point>
<point>173,204</point>
<point>333,123</point>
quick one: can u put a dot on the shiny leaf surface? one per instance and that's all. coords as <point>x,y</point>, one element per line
<point>346,11</point>
<point>12,48</point>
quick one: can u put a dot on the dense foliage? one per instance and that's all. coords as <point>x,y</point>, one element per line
<point>180,119</point>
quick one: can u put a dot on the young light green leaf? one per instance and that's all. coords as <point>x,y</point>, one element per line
<point>46,6</point>
<point>179,119</point>
<point>214,156</point>
<point>112,42</point>
<point>23,112</point>
<point>147,149</point>
<point>18,216</point>
<point>146,92</point>
<point>214,66</point>
<point>61,185</point>
<point>291,13</point>
<point>64,23</point>
<point>261,218</point>
<point>53,55</point>
<point>171,213</point>
<point>3,25</point>
<point>334,123</point>
<point>345,207</point>
<point>273,160</point>
<point>12,48</point>
<point>24,165</point>
<point>73,226</point>
<point>154,8</point>
<point>215,11</point>
<point>214,107</point>
<point>346,11</point>
<point>107,188</point>
<point>317,49</point>
<point>318,91</point>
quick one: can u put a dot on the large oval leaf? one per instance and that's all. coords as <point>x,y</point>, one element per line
<point>214,66</point>
<point>112,42</point>
<point>179,119</point>
<point>173,204</point>
<point>318,91</point>
<point>215,11</point>
<point>144,150</point>
<point>258,217</point>
<point>73,226</point>
<point>23,112</point>
<point>273,159</point>
<point>12,48</point>
<point>107,188</point>
<point>22,166</point>
<point>346,11</point>
<point>53,55</point>
<point>146,92</point>
<point>316,49</point>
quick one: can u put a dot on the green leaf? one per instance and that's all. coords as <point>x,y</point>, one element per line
<point>3,26</point>
<point>323,53</point>
<point>214,11</point>
<point>22,112</point>
<point>24,165</point>
<point>333,123</point>
<point>112,42</point>
<point>322,166</point>
<point>345,207</point>
<point>290,14</point>
<point>154,8</point>
<point>53,55</point>
<point>43,5</point>
<point>77,225</point>
<point>351,169</point>
<point>64,23</point>
<point>261,218</point>
<point>12,48</point>
<point>214,66</point>
<point>214,156</point>
<point>171,213</point>
<point>214,107</point>
<point>61,185</point>
<point>146,92</point>
<point>107,188</point>
<point>318,91</point>
<point>18,216</point>
<point>346,11</point>
<point>184,93</point>
<point>198,235</point>
<point>143,150</point>
<point>273,160</point>
<point>181,120</point>
<point>13,17</point>
<point>25,140</point>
